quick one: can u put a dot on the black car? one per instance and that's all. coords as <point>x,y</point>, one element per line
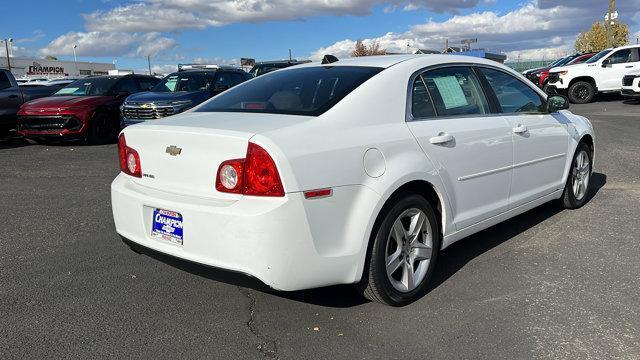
<point>180,91</point>
<point>262,68</point>
<point>13,96</point>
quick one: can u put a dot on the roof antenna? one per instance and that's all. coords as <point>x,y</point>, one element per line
<point>328,59</point>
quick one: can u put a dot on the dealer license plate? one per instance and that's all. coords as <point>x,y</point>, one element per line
<point>167,225</point>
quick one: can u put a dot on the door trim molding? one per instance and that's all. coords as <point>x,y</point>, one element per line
<point>510,167</point>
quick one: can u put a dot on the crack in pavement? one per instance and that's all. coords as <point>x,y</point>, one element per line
<point>267,347</point>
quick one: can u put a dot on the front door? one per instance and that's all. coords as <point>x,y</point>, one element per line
<point>469,145</point>
<point>616,66</point>
<point>540,139</point>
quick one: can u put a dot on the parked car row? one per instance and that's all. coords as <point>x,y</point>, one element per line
<point>13,96</point>
<point>582,76</point>
<point>540,76</point>
<point>94,109</point>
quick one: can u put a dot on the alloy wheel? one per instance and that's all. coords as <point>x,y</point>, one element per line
<point>408,251</point>
<point>581,174</point>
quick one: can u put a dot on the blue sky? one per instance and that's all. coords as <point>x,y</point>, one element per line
<point>175,31</point>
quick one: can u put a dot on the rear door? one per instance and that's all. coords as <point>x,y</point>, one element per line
<point>540,139</point>
<point>459,132</point>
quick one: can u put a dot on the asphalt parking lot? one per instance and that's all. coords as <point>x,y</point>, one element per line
<point>547,284</point>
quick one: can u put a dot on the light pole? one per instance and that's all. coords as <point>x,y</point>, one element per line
<point>6,47</point>
<point>149,63</point>
<point>75,58</point>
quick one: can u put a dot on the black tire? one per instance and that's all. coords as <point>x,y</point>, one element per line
<point>581,92</point>
<point>376,284</point>
<point>569,199</point>
<point>102,129</point>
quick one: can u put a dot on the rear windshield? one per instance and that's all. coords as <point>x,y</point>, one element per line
<point>297,91</point>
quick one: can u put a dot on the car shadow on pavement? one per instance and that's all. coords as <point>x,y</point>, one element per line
<point>450,260</point>
<point>12,141</point>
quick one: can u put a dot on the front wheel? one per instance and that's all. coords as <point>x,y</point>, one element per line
<point>576,190</point>
<point>581,92</point>
<point>403,254</point>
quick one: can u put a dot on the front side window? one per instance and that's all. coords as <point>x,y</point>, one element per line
<point>620,56</point>
<point>455,91</point>
<point>513,95</point>
<point>299,91</point>
<point>126,85</point>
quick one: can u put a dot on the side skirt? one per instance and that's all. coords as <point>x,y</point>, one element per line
<point>470,230</point>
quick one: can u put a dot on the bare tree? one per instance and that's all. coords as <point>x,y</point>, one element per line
<point>363,50</point>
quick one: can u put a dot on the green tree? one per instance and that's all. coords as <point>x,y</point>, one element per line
<point>595,39</point>
<point>363,50</point>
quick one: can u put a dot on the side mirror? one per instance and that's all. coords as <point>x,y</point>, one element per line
<point>556,103</point>
<point>606,63</point>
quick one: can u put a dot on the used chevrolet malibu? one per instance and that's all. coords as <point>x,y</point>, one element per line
<point>356,171</point>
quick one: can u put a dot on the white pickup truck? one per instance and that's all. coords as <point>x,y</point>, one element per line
<point>602,73</point>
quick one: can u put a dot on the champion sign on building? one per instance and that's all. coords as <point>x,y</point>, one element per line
<point>38,69</point>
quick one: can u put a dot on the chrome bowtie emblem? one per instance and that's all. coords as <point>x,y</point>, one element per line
<point>173,150</point>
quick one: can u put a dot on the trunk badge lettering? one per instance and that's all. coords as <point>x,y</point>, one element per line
<point>173,150</point>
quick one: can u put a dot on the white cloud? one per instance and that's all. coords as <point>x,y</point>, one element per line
<point>531,31</point>
<point>96,43</point>
<point>170,15</point>
<point>163,69</point>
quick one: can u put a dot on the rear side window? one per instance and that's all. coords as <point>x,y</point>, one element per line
<point>513,95</point>
<point>455,91</point>
<point>298,91</point>
<point>422,106</point>
<point>4,81</point>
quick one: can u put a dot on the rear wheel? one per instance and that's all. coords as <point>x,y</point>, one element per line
<point>403,254</point>
<point>102,129</point>
<point>576,190</point>
<point>581,92</point>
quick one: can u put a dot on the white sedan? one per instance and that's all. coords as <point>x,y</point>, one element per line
<point>356,171</point>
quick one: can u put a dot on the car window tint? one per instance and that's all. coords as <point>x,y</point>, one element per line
<point>223,79</point>
<point>513,95</point>
<point>147,83</point>
<point>421,105</point>
<point>455,91</point>
<point>4,81</point>
<point>126,85</point>
<point>236,78</point>
<point>620,56</point>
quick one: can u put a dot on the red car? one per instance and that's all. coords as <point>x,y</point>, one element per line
<point>87,109</point>
<point>544,74</point>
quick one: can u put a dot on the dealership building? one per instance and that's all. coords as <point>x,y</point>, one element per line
<point>25,68</point>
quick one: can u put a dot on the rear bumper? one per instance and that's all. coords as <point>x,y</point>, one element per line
<point>284,242</point>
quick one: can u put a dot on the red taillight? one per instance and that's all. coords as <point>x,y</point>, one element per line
<point>129,158</point>
<point>256,175</point>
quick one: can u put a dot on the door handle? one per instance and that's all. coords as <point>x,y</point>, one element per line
<point>13,96</point>
<point>442,138</point>
<point>629,66</point>
<point>520,129</point>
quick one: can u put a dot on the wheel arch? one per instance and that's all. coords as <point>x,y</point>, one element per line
<point>421,185</point>
<point>588,79</point>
